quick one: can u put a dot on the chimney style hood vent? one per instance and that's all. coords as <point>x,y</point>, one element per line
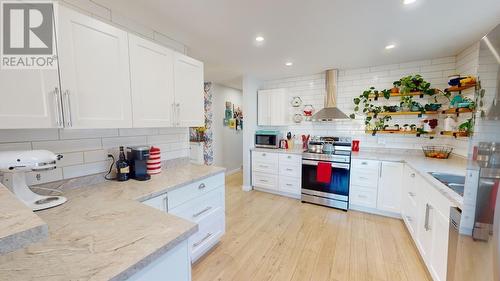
<point>330,112</point>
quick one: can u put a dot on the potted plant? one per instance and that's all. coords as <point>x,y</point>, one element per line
<point>413,127</point>
<point>467,127</point>
<point>414,83</point>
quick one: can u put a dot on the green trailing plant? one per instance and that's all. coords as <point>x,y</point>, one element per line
<point>467,126</point>
<point>414,83</point>
<point>379,124</point>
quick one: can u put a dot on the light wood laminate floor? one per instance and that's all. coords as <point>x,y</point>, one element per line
<point>269,237</point>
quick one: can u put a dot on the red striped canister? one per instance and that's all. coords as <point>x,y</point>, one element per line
<point>154,161</point>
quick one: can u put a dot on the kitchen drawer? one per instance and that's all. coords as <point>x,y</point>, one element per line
<point>290,170</point>
<point>265,157</point>
<point>159,202</point>
<point>202,206</point>
<point>366,165</point>
<point>210,230</point>
<point>290,159</point>
<point>363,196</point>
<point>289,185</point>
<point>265,180</point>
<point>193,190</point>
<point>265,167</point>
<point>364,178</point>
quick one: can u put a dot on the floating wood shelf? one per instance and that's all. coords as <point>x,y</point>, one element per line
<point>461,88</point>
<point>405,113</point>
<point>398,132</point>
<point>457,110</point>
<point>455,134</point>
<point>398,95</point>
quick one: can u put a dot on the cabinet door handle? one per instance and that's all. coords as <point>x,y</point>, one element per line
<point>165,203</point>
<point>380,171</point>
<point>289,157</point>
<point>412,175</point>
<point>201,186</point>
<point>67,99</point>
<point>202,240</point>
<point>178,105</point>
<point>202,212</point>
<point>428,209</point>
<point>263,155</point>
<point>57,106</point>
<point>364,163</point>
<point>411,194</point>
<point>409,218</point>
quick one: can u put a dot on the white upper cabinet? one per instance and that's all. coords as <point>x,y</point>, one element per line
<point>94,69</point>
<point>152,83</point>
<point>272,107</point>
<point>30,99</point>
<point>390,186</point>
<point>189,92</point>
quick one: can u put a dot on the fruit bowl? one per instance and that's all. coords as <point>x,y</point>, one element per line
<point>439,152</point>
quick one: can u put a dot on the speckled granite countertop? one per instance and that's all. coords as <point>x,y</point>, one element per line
<point>423,165</point>
<point>19,226</point>
<point>104,233</point>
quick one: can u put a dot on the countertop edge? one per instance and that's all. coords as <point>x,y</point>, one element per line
<point>147,260</point>
<point>24,238</point>
<point>177,186</point>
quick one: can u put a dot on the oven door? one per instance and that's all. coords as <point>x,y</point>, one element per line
<point>337,189</point>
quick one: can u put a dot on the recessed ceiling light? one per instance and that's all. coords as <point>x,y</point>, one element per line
<point>408,2</point>
<point>390,46</point>
<point>259,39</point>
<point>289,63</point>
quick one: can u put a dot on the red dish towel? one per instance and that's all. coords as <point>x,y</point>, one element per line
<point>324,172</point>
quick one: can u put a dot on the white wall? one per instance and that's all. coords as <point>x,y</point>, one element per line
<point>352,82</point>
<point>250,87</point>
<point>85,151</point>
<point>227,142</point>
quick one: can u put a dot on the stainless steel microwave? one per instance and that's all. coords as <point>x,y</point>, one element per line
<point>267,139</point>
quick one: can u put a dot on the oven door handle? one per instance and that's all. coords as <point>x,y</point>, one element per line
<point>334,165</point>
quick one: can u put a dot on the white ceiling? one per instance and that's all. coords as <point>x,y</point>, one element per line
<point>315,35</point>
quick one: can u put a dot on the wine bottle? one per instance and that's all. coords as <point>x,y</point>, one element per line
<point>122,167</point>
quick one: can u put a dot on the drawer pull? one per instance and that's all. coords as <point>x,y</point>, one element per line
<point>412,175</point>
<point>364,163</point>
<point>263,166</point>
<point>201,186</point>
<point>409,218</point>
<point>363,178</point>
<point>288,169</point>
<point>289,184</point>
<point>411,194</point>
<point>202,240</point>
<point>263,180</point>
<point>289,157</point>
<point>263,154</point>
<point>362,196</point>
<point>202,212</point>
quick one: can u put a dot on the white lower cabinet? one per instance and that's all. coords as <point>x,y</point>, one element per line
<point>201,202</point>
<point>279,173</point>
<point>173,265</point>
<point>393,189</point>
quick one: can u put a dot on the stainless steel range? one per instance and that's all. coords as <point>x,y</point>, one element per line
<point>335,154</point>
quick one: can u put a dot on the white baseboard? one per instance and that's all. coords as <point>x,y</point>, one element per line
<point>246,188</point>
<point>234,171</point>
<point>374,211</point>
<point>286,194</point>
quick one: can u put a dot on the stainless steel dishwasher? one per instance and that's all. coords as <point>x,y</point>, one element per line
<point>455,216</point>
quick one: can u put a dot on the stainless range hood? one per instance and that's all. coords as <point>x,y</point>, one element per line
<point>330,112</point>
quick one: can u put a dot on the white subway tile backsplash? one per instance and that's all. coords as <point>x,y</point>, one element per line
<point>95,155</point>
<point>85,169</point>
<point>8,135</point>
<point>69,134</point>
<point>61,146</point>
<point>15,146</point>
<point>138,132</point>
<point>123,141</point>
<point>69,159</point>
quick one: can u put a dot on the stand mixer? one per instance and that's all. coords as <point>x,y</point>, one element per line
<point>15,164</point>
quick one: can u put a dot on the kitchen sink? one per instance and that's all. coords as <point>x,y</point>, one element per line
<point>454,182</point>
